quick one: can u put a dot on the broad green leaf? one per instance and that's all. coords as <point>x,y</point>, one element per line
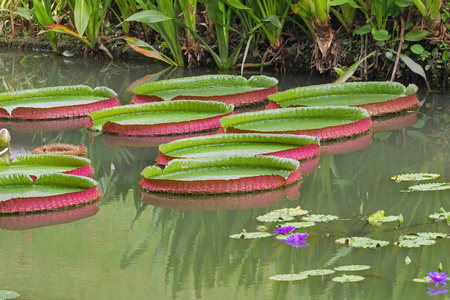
<point>342,2</point>
<point>81,14</point>
<point>417,49</point>
<point>348,278</point>
<point>275,217</point>
<point>238,4</point>
<point>318,272</point>
<point>288,277</point>
<point>413,66</point>
<point>147,50</point>
<point>414,177</point>
<point>149,17</point>
<point>414,243</point>
<point>320,218</point>
<point>362,242</point>
<point>272,19</point>
<point>440,215</point>
<point>430,187</point>
<point>296,211</point>
<point>364,29</point>
<point>416,35</point>
<point>422,280</point>
<point>380,35</point>
<point>404,3</point>
<point>250,235</point>
<point>352,268</point>
<point>64,29</point>
<point>300,224</point>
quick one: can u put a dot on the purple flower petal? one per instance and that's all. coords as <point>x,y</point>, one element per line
<point>438,277</point>
<point>284,230</point>
<point>296,237</point>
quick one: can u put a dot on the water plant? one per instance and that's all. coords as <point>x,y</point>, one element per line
<point>5,138</point>
<point>437,278</point>
<point>414,177</point>
<point>297,239</point>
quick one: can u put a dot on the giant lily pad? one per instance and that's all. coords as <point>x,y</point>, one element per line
<point>38,164</point>
<point>221,175</point>
<point>228,89</point>
<point>322,122</point>
<point>377,97</point>
<point>160,118</point>
<point>289,146</point>
<point>18,193</point>
<point>55,102</point>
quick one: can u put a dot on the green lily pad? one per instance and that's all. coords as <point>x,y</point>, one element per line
<point>250,235</point>
<point>378,217</point>
<point>352,268</point>
<point>320,218</point>
<point>362,242</point>
<point>204,86</point>
<point>422,280</point>
<point>414,242</point>
<point>67,97</point>
<point>430,187</point>
<point>318,272</point>
<point>275,217</point>
<point>296,211</point>
<point>440,215</point>
<point>4,295</point>
<point>347,94</point>
<point>348,278</point>
<point>288,277</point>
<point>300,120</point>
<point>300,224</point>
<point>38,164</point>
<point>415,177</point>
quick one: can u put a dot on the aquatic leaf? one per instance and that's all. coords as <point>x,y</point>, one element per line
<point>414,177</point>
<point>430,187</point>
<point>250,235</point>
<point>320,218</point>
<point>362,242</point>
<point>275,217</point>
<point>407,260</point>
<point>288,277</point>
<point>318,272</point>
<point>352,268</point>
<point>377,218</point>
<point>299,224</point>
<point>440,215</point>
<point>222,175</point>
<point>414,243</point>
<point>422,279</point>
<point>282,145</point>
<point>348,278</point>
<point>377,97</point>
<point>4,295</point>
<point>297,211</point>
<point>314,121</point>
<point>425,235</point>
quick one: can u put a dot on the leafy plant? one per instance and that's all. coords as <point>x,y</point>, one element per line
<point>43,13</point>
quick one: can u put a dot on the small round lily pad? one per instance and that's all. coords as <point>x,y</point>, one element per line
<point>415,177</point>
<point>288,277</point>
<point>440,215</point>
<point>348,278</point>
<point>318,272</point>
<point>320,218</point>
<point>250,235</point>
<point>415,243</point>
<point>362,242</point>
<point>296,211</point>
<point>275,217</point>
<point>352,268</point>
<point>430,187</point>
<point>300,224</point>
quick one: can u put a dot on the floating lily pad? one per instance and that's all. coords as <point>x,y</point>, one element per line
<point>218,175</point>
<point>318,272</point>
<point>299,224</point>
<point>55,102</point>
<point>288,277</point>
<point>323,122</point>
<point>296,211</point>
<point>275,217</point>
<point>415,243</point>
<point>37,164</point>
<point>415,177</point>
<point>422,280</point>
<point>18,193</point>
<point>289,146</point>
<point>62,149</point>
<point>362,242</point>
<point>229,89</point>
<point>352,268</point>
<point>440,215</point>
<point>430,187</point>
<point>377,97</point>
<point>160,118</point>
<point>4,295</point>
<point>250,235</point>
<point>348,278</point>
<point>320,218</point>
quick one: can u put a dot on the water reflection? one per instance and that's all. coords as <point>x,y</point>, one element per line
<point>44,126</point>
<point>394,122</point>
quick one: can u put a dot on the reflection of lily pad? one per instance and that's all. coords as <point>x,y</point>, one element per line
<point>288,277</point>
<point>318,272</point>
<point>430,187</point>
<point>250,235</point>
<point>323,122</point>
<point>275,217</point>
<point>414,177</point>
<point>4,295</point>
<point>362,242</point>
<point>300,224</point>
<point>348,278</point>
<point>320,218</point>
<point>352,268</point>
<point>297,147</point>
<point>440,215</point>
<point>221,175</point>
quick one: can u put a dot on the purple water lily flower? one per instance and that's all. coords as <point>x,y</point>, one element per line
<point>297,239</point>
<point>433,292</point>
<point>438,277</point>
<point>284,230</point>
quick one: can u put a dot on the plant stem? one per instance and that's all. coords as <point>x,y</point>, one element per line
<point>399,51</point>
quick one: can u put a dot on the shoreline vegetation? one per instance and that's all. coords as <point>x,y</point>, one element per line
<point>401,40</point>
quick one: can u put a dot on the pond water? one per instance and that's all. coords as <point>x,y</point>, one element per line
<point>135,246</point>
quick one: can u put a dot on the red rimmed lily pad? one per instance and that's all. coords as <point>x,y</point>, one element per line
<point>19,193</point>
<point>37,220</point>
<point>298,147</point>
<point>378,98</point>
<point>229,89</point>
<point>223,202</point>
<point>330,122</point>
<point>55,102</point>
<point>160,118</point>
<point>38,164</point>
<point>221,175</point>
<point>61,149</point>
